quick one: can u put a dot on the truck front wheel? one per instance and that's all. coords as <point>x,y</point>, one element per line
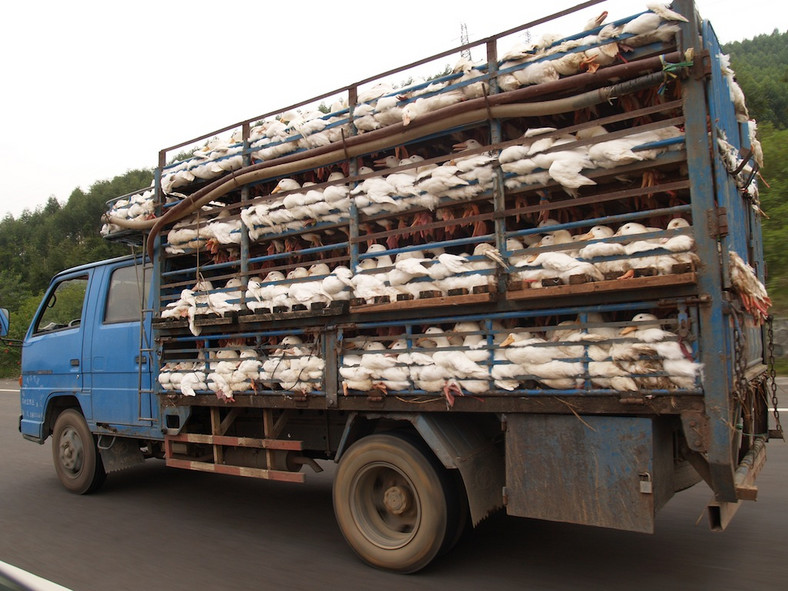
<point>77,461</point>
<point>390,500</point>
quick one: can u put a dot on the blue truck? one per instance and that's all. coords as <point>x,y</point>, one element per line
<point>532,283</point>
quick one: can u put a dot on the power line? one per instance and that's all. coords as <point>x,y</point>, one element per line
<point>464,40</point>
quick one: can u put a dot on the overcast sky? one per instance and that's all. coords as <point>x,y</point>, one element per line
<point>95,88</point>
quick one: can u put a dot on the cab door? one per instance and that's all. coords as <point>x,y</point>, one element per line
<point>52,356</point>
<point>121,372</point>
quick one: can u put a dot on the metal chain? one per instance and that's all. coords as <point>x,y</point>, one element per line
<point>778,428</point>
<point>739,362</point>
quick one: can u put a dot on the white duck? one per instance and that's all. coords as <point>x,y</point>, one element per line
<point>406,276</point>
<point>602,370</point>
<point>272,292</point>
<point>371,278</point>
<point>374,194</point>
<point>477,167</point>
<point>638,247</point>
<point>456,363</point>
<point>565,166</point>
<point>599,246</point>
<point>681,245</point>
<point>307,285</point>
<point>228,299</point>
<point>338,285</point>
<point>193,381</point>
<point>555,264</point>
<point>650,21</point>
<point>397,377</point>
<point>676,360</point>
<point>523,348</point>
<point>439,180</point>
<point>354,376</point>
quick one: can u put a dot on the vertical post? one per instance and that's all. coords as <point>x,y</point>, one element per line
<point>330,373</point>
<point>268,433</point>
<point>496,137</point>
<point>216,430</point>
<point>247,160</point>
<point>714,323</point>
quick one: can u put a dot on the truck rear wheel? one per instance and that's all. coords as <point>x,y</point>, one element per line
<point>77,461</point>
<point>390,500</point>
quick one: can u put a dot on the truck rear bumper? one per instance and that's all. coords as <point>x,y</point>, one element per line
<point>720,513</point>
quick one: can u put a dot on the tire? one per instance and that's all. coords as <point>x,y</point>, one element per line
<point>684,476</point>
<point>77,460</point>
<point>460,523</point>
<point>390,501</point>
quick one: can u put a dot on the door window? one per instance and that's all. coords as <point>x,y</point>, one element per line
<point>63,308</point>
<point>123,299</point>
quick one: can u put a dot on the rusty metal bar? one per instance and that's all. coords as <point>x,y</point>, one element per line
<point>720,513</point>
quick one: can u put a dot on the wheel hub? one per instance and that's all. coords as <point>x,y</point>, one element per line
<point>71,451</point>
<point>396,500</point>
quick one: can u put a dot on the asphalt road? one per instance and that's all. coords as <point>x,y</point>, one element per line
<point>158,528</point>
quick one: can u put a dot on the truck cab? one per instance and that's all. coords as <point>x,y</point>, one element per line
<point>86,350</point>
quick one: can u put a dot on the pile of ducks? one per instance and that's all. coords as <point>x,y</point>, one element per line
<point>289,366</point>
<point>630,357</point>
<point>545,60</point>
<point>467,360</point>
<point>542,156</point>
<point>557,258</point>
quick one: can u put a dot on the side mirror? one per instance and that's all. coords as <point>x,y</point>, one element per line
<point>3,322</point>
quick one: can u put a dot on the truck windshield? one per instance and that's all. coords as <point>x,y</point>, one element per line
<point>63,308</point>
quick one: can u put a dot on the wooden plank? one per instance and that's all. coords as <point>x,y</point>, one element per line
<point>268,432</point>
<point>237,470</point>
<point>236,441</point>
<point>333,310</point>
<point>211,320</point>
<point>228,420</point>
<point>458,300</point>
<point>602,286</point>
<point>218,452</point>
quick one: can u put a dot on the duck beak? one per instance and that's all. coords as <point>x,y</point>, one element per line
<point>586,236</point>
<point>532,258</point>
<point>277,189</point>
<point>380,163</point>
<point>627,329</point>
<point>460,147</point>
<point>507,341</point>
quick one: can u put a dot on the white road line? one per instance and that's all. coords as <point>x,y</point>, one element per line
<point>2,390</point>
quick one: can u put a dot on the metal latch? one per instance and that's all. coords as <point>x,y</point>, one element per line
<point>717,221</point>
<point>646,486</point>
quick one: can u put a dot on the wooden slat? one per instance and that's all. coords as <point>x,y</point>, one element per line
<point>237,470</point>
<point>602,286</point>
<point>279,316</point>
<point>459,300</point>
<point>218,452</point>
<point>237,441</point>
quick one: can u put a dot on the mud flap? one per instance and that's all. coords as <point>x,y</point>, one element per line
<point>606,471</point>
